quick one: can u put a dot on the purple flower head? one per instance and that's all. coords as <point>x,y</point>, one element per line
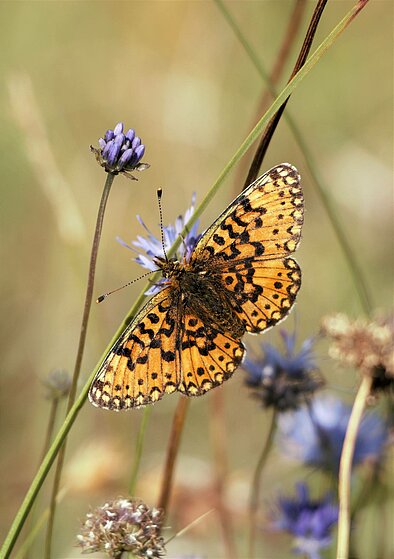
<point>314,434</point>
<point>286,379</point>
<point>149,247</point>
<point>119,152</point>
<point>310,521</point>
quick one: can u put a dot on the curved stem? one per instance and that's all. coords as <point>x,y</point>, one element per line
<point>78,361</point>
<point>256,484</point>
<point>345,467</point>
<point>172,453</point>
<point>273,123</point>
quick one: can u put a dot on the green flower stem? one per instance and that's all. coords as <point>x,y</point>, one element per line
<point>256,484</point>
<point>78,361</point>
<point>345,466</point>
<point>138,448</point>
<point>322,190</point>
<point>71,416</point>
<point>33,533</point>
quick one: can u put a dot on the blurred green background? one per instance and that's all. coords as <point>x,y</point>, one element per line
<point>176,73</point>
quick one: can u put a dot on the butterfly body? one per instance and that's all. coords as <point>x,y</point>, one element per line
<point>239,278</point>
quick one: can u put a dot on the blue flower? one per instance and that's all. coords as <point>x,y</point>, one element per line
<point>310,521</point>
<point>152,246</point>
<point>120,152</point>
<point>283,380</point>
<point>314,434</point>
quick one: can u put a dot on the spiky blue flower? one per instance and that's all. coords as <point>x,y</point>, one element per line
<point>151,246</point>
<point>283,380</point>
<point>314,434</point>
<point>120,152</point>
<point>310,521</point>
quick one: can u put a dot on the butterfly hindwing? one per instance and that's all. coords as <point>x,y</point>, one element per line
<point>208,357</point>
<point>262,293</point>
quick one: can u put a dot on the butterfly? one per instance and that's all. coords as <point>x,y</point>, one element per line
<point>239,278</point>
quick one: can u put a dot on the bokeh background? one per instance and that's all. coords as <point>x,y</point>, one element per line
<point>176,73</point>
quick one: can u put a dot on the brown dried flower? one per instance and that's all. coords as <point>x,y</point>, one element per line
<point>123,525</point>
<point>365,345</point>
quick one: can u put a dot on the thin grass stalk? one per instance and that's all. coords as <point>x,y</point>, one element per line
<point>50,427</point>
<point>345,466</point>
<point>218,435</point>
<point>273,123</point>
<point>256,484</point>
<point>178,424</point>
<point>38,480</point>
<point>138,449</point>
<point>36,528</point>
<point>31,527</point>
<point>81,346</point>
<point>271,80</point>
<point>322,190</point>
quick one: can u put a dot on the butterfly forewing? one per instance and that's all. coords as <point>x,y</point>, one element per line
<point>262,223</point>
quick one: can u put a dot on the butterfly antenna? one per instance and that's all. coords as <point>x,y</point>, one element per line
<point>159,195</point>
<point>102,297</point>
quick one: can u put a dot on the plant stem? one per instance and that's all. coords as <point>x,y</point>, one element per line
<point>345,467</point>
<point>50,426</point>
<point>271,80</point>
<point>256,485</point>
<point>78,361</point>
<point>138,448</point>
<point>172,453</point>
<point>273,123</point>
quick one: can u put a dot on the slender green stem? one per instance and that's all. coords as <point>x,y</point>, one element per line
<point>138,448</point>
<point>289,37</point>
<point>78,361</point>
<point>50,426</point>
<point>38,480</point>
<point>345,467</point>
<point>322,189</point>
<point>36,526</point>
<point>273,123</point>
<point>256,485</point>
<point>31,536</point>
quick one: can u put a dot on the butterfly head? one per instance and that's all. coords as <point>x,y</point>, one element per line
<point>171,268</point>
